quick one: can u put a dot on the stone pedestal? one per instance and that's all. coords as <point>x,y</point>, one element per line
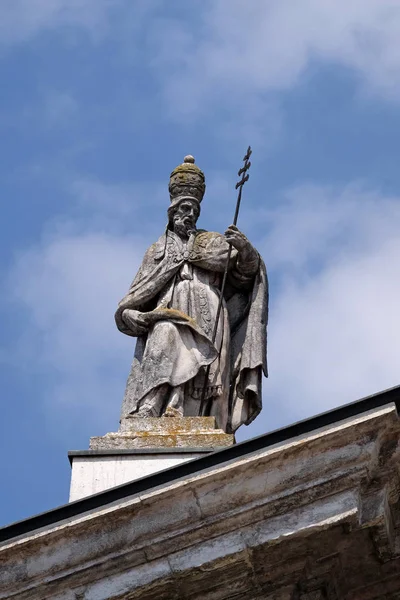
<point>142,446</point>
<point>164,432</point>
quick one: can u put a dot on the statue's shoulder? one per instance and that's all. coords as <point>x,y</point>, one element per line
<point>204,237</point>
<point>155,249</point>
<point>167,246</point>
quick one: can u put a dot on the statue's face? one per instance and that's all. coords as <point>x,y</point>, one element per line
<point>185,217</point>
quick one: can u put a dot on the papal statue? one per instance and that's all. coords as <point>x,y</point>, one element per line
<point>171,309</point>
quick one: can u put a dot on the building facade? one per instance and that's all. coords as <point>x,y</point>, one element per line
<point>307,512</point>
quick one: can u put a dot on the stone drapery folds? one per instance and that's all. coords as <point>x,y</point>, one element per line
<point>171,308</point>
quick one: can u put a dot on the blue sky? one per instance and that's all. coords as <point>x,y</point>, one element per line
<point>99,101</point>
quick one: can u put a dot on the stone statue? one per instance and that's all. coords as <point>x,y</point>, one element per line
<point>171,308</point>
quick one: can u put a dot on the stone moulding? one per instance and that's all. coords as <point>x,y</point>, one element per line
<point>265,525</point>
<point>164,432</point>
<point>184,438</point>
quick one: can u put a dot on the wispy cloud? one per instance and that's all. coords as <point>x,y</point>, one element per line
<point>314,225</point>
<point>21,20</point>
<point>229,60</point>
<point>260,47</point>
<point>334,323</point>
<point>234,60</point>
<point>68,286</point>
<point>334,337</point>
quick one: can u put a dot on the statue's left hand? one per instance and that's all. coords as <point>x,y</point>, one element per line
<point>238,240</point>
<point>134,320</point>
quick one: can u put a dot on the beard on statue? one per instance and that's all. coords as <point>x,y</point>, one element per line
<point>183,217</point>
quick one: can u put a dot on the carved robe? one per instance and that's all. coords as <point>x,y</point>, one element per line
<point>173,304</point>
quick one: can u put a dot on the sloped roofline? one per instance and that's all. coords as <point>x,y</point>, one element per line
<point>190,468</point>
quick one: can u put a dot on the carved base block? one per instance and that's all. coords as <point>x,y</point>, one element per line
<point>164,432</point>
<point>142,446</point>
<point>94,471</point>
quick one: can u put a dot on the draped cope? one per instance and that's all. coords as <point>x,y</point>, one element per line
<point>171,308</point>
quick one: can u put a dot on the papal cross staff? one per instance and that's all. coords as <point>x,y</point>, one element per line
<point>244,177</point>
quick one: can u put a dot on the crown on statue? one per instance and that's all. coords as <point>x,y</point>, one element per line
<point>187,181</point>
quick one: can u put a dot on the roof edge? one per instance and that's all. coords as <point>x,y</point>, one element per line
<point>89,503</point>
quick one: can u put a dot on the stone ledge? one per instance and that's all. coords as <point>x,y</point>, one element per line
<point>165,432</point>
<point>210,440</point>
<point>167,424</point>
<point>72,454</point>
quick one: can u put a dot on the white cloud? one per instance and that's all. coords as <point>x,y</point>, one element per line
<point>315,225</point>
<point>229,59</point>
<point>243,50</point>
<point>334,338</point>
<point>21,20</point>
<point>334,322</point>
<point>68,289</point>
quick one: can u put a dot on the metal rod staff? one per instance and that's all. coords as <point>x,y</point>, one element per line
<point>244,177</point>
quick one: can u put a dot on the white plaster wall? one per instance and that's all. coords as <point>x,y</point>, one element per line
<point>93,474</point>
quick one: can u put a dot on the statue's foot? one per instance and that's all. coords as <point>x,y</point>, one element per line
<point>172,412</point>
<point>175,403</point>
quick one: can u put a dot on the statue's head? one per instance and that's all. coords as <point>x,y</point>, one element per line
<point>186,190</point>
<point>183,216</point>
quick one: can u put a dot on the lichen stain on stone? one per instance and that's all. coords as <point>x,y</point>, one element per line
<point>165,432</point>
<point>205,235</point>
<point>178,314</point>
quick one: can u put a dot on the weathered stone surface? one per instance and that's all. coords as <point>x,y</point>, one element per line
<point>177,440</point>
<point>291,521</point>
<point>201,348</point>
<point>164,432</point>
<point>93,474</point>
<point>167,424</point>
